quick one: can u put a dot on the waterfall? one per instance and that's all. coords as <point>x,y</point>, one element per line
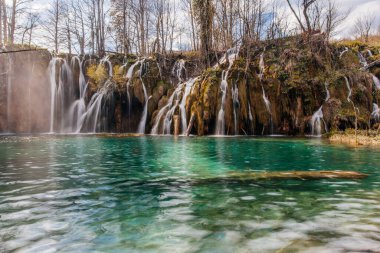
<point>316,122</point>
<point>62,95</point>
<point>168,110</point>
<point>179,69</point>
<point>30,106</point>
<point>268,107</point>
<point>250,112</point>
<point>78,108</point>
<point>369,53</point>
<point>182,106</point>
<point>236,105</point>
<point>129,76</point>
<point>9,92</point>
<point>68,111</point>
<point>362,60</point>
<point>327,92</point>
<point>266,101</point>
<point>250,116</point>
<point>90,120</point>
<point>220,127</point>
<point>231,56</point>
<point>348,88</point>
<point>343,52</point>
<point>142,124</point>
<point>53,89</point>
<point>106,60</point>
<point>376,81</point>
<point>265,98</point>
<point>376,113</point>
<point>317,118</point>
<point>261,66</point>
<point>166,113</point>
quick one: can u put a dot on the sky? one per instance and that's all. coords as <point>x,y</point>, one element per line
<point>357,8</point>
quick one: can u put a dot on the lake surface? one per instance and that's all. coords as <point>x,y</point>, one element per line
<point>153,194</point>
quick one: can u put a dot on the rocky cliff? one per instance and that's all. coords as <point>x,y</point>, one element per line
<point>292,86</point>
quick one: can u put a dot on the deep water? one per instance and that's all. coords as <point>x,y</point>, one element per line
<point>159,194</point>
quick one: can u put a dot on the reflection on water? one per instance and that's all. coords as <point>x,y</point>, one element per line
<point>148,194</point>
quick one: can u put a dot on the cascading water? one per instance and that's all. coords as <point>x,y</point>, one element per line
<point>220,127</point>
<point>343,52</point>
<point>129,77</point>
<point>68,112</point>
<point>62,95</point>
<point>53,89</point>
<point>317,118</point>
<point>106,60</point>
<point>9,91</point>
<point>369,53</point>
<point>261,66</point>
<point>166,113</point>
<point>231,56</point>
<point>78,109</point>
<point>316,123</point>
<point>266,101</point>
<point>265,98</point>
<point>91,120</point>
<point>182,105</point>
<point>250,116</point>
<point>143,69</point>
<point>348,88</point>
<point>179,70</point>
<point>362,60</point>
<point>376,113</point>
<point>376,81</point>
<point>31,74</point>
<point>236,105</point>
<point>327,92</point>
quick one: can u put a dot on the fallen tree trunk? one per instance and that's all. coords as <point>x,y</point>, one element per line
<point>370,65</point>
<point>302,175</point>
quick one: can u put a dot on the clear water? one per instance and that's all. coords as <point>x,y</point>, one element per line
<point>151,194</point>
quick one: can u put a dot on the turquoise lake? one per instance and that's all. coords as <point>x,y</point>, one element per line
<point>163,194</point>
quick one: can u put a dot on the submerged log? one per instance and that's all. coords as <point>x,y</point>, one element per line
<point>117,135</point>
<point>303,175</point>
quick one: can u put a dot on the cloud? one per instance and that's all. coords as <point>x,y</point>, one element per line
<point>359,8</point>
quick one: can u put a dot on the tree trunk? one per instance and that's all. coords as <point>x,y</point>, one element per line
<point>195,46</point>
<point>5,23</point>
<point>1,24</point>
<point>142,27</point>
<point>13,23</point>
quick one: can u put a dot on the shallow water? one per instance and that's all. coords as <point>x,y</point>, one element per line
<point>151,194</point>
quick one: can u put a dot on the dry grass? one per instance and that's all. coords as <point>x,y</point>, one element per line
<point>374,41</point>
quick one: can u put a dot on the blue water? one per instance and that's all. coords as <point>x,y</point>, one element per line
<point>163,194</point>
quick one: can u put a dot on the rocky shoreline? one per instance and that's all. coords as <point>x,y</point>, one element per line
<point>363,138</point>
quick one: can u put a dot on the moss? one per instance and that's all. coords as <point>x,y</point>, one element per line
<point>118,77</point>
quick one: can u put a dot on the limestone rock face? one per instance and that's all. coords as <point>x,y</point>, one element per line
<point>278,98</point>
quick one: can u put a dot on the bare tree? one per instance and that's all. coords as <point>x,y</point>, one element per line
<point>187,7</point>
<point>204,13</point>
<point>305,20</point>
<point>333,18</point>
<point>1,23</point>
<point>363,26</point>
<point>5,21</point>
<point>18,7</point>
<point>78,28</point>
<point>52,25</point>
<point>32,20</point>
